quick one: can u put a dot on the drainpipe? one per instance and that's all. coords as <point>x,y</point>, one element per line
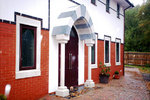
<point>124,40</point>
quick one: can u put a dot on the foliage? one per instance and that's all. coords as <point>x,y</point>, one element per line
<point>137,28</point>
<point>104,69</point>
<point>116,72</point>
<point>2,97</point>
<point>147,65</point>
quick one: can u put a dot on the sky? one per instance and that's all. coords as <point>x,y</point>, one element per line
<point>136,2</point>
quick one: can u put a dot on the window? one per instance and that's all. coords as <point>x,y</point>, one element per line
<point>118,41</point>
<point>117,52</point>
<point>94,54</point>
<point>93,2</point>
<point>27,47</point>
<point>106,51</point>
<point>107,45</point>
<point>107,5</point>
<point>118,10</point>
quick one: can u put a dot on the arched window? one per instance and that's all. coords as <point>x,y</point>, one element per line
<point>27,47</point>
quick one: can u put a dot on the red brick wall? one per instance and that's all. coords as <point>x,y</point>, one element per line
<point>21,89</point>
<point>100,55</point>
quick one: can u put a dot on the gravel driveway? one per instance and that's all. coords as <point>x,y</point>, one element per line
<point>128,87</point>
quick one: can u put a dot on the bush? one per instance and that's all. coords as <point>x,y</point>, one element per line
<point>2,97</point>
<point>147,65</point>
<point>116,72</point>
<point>104,69</point>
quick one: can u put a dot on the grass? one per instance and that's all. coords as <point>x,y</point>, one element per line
<point>141,68</point>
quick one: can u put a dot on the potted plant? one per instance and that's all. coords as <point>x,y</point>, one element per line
<point>104,75</point>
<point>3,97</point>
<point>7,91</point>
<point>116,75</point>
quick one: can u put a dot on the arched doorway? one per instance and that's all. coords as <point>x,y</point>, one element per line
<point>65,34</point>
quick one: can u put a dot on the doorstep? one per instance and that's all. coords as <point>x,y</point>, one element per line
<point>76,92</point>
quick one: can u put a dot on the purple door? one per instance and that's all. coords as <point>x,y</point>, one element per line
<point>71,60</point>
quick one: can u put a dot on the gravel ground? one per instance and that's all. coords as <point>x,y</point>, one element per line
<point>128,87</point>
<point>146,76</point>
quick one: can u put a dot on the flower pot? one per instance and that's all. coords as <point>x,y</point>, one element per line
<point>103,78</point>
<point>117,76</point>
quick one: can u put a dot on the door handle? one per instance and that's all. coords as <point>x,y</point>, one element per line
<point>70,61</point>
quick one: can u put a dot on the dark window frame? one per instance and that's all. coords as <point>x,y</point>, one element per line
<point>94,3</point>
<point>118,10</point>
<point>107,5</point>
<point>20,60</point>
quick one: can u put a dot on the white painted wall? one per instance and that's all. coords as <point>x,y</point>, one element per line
<point>104,24</point>
<point>30,7</point>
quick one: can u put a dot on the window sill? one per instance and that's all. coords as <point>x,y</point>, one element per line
<point>93,66</point>
<point>108,64</point>
<point>118,63</point>
<point>27,74</point>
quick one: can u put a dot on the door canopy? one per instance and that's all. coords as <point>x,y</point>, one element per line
<point>78,17</point>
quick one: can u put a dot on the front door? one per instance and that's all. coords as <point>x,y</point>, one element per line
<point>71,60</point>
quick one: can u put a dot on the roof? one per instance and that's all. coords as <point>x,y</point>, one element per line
<point>129,3</point>
<point>125,3</point>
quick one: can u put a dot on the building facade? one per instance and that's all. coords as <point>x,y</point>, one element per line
<point>47,46</point>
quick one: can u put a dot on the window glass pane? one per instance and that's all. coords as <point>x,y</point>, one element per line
<point>118,10</point>
<point>93,1</point>
<point>106,51</point>
<point>27,52</point>
<point>117,52</point>
<point>107,5</point>
<point>93,54</point>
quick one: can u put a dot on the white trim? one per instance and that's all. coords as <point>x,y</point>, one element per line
<point>95,65</point>
<point>118,41</point>
<point>81,47</point>
<point>109,39</point>
<point>37,24</point>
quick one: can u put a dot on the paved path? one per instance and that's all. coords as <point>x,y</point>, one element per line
<point>128,87</point>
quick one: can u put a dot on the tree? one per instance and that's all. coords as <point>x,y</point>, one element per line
<point>144,24</point>
<point>132,31</point>
<point>137,28</point>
